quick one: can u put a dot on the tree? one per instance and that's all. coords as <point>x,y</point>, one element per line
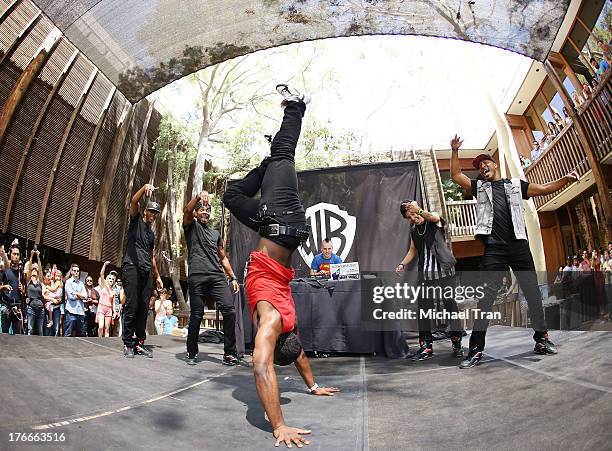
<point>175,145</point>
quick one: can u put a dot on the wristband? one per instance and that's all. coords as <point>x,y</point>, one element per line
<point>403,266</point>
<point>420,211</point>
<point>313,388</point>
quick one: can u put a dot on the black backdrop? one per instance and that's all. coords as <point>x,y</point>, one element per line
<point>371,193</point>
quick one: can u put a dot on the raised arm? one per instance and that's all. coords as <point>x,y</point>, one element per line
<point>102,279</point>
<point>203,197</point>
<point>5,261</point>
<point>536,189</point>
<point>458,177</point>
<point>135,202</point>
<point>227,267</point>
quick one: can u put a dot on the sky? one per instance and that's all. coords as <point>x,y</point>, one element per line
<point>394,92</point>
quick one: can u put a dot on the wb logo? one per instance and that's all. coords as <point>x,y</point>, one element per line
<point>328,221</point>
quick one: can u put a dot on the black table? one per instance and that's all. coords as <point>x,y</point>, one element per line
<point>329,320</point>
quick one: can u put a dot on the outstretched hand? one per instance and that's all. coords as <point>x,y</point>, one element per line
<point>572,176</point>
<point>290,435</point>
<point>149,189</point>
<point>326,391</point>
<point>456,142</point>
<point>204,198</point>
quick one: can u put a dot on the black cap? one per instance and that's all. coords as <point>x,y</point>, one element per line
<point>480,158</point>
<point>153,206</point>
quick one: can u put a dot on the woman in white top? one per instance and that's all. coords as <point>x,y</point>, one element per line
<point>161,304</point>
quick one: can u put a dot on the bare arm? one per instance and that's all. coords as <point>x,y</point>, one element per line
<point>536,189</point>
<point>408,258</point>
<point>101,279</point>
<point>5,261</point>
<point>134,203</point>
<point>228,268</point>
<point>156,276</point>
<point>458,177</point>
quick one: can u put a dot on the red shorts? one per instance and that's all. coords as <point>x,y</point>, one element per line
<point>268,280</point>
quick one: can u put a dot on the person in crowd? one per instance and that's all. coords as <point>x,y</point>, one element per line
<point>280,219</point>
<point>12,300</point>
<point>585,263</point>
<point>169,321</point>
<point>566,118</point>
<point>436,268</point>
<point>536,151</point>
<point>578,99</point>
<point>54,294</point>
<point>91,307</point>
<point>525,162</point>
<point>606,50</point>
<point>500,225</point>
<point>139,264</point>
<point>559,122</point>
<point>545,142</point>
<point>587,92</point>
<point>599,67</point>
<point>35,305</point>
<point>208,267</point>
<point>598,279</point>
<point>74,316</point>
<point>552,130</point>
<point>320,263</point>
<point>106,294</point>
<point>162,302</point>
<point>117,321</point>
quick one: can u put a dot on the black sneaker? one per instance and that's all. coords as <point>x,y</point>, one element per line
<point>141,350</point>
<point>128,352</point>
<point>424,353</point>
<point>192,360</point>
<point>230,360</point>
<point>474,357</point>
<point>457,349</point>
<point>545,347</point>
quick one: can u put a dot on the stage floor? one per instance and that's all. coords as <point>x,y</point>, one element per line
<point>85,389</point>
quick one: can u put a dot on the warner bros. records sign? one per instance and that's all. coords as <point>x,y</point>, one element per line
<point>328,221</point>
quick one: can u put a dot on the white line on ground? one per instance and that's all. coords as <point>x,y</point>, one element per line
<point>67,422</point>
<point>98,344</point>
<point>552,376</point>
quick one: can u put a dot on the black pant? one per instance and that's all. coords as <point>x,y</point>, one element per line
<point>91,328</point>
<point>426,303</point>
<point>277,179</point>
<point>8,318</point>
<point>138,286</point>
<point>215,288</point>
<point>496,261</point>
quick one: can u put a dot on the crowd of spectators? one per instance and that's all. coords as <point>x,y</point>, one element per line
<point>44,300</point>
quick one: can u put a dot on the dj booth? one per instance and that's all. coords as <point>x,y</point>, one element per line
<point>329,320</point>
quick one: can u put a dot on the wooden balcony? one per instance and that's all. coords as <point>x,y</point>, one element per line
<point>566,152</point>
<point>461,219</point>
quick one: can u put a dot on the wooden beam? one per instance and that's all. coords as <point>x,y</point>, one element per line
<point>574,241</point>
<point>25,80</point>
<point>132,176</point>
<point>598,174</point>
<point>99,222</point>
<point>90,148</point>
<point>586,62</point>
<point>8,10</point>
<point>32,138</point>
<point>60,150</point>
<point>20,37</point>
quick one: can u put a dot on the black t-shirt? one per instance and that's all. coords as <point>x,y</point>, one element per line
<point>502,231</point>
<point>35,294</point>
<point>11,277</point>
<point>423,237</point>
<point>202,245</point>
<point>140,243</point>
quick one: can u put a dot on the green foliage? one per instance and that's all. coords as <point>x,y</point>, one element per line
<point>175,142</point>
<point>319,147</point>
<point>603,27</point>
<point>451,190</point>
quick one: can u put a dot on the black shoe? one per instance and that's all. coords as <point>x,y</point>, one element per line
<point>457,349</point>
<point>128,352</point>
<point>192,360</point>
<point>474,357</point>
<point>141,350</point>
<point>424,353</point>
<point>230,360</point>
<point>545,347</point>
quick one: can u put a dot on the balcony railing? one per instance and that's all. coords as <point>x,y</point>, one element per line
<point>461,218</point>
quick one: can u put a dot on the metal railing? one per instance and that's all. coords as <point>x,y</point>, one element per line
<point>461,218</point>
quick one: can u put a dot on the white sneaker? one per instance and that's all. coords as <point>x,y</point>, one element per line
<point>291,94</point>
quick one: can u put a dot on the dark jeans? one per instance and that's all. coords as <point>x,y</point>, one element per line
<point>215,288</point>
<point>57,313</point>
<point>426,303</point>
<point>496,261</point>
<point>277,179</point>
<point>8,319</point>
<point>76,322</point>
<point>138,286</point>
<point>91,327</point>
<point>36,319</point>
